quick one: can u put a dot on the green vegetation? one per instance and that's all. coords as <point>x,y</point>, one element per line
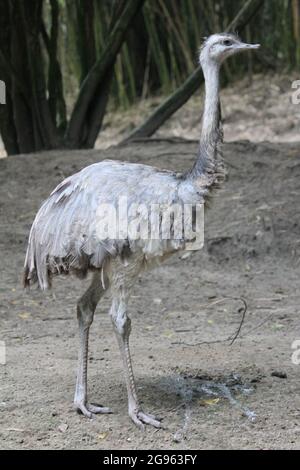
<point>170,32</point>
<point>62,60</point>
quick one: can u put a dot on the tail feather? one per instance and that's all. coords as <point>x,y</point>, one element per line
<point>35,266</point>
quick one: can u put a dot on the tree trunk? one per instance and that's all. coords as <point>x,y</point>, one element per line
<point>98,72</point>
<point>7,125</point>
<point>27,134</point>
<point>85,37</point>
<point>46,127</point>
<point>296,28</point>
<point>56,99</point>
<point>97,108</point>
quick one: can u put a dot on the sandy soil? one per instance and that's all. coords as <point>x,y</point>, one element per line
<point>210,394</point>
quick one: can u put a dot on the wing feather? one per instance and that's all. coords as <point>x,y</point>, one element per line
<point>64,235</point>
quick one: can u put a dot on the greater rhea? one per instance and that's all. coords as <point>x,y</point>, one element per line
<point>65,235</point>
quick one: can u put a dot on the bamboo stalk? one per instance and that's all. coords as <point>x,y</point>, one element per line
<point>99,71</point>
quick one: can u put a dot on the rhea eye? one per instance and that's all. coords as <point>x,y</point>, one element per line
<point>227,42</point>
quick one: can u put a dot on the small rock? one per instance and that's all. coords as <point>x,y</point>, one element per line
<point>255,380</point>
<point>178,437</point>
<point>279,374</point>
<point>63,427</point>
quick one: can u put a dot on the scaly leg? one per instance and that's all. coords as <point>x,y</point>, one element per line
<point>122,327</point>
<point>85,313</point>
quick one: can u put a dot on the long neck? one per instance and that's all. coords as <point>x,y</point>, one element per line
<point>210,131</point>
<point>211,106</point>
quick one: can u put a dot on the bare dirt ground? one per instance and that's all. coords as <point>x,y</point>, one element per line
<point>210,394</point>
<point>257,110</point>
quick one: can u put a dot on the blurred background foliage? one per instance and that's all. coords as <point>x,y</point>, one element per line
<point>161,49</point>
<point>65,61</point>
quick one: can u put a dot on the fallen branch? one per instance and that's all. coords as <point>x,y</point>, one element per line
<point>150,140</point>
<point>231,338</point>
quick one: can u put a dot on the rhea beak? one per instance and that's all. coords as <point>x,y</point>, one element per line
<point>243,46</point>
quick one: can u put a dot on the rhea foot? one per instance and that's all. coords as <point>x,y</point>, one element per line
<point>89,410</point>
<point>140,419</point>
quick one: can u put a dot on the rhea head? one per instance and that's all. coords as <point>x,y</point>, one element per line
<point>218,47</point>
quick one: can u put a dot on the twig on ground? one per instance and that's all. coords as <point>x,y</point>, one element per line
<point>231,338</point>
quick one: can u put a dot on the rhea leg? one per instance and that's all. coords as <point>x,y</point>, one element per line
<point>85,313</point>
<point>122,327</point>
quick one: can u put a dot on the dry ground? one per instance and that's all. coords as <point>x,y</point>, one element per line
<point>209,395</point>
<point>257,110</point>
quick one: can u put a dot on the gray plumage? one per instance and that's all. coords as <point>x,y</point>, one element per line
<point>65,238</point>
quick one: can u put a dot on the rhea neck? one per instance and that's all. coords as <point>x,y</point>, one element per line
<point>210,130</point>
<point>211,72</point>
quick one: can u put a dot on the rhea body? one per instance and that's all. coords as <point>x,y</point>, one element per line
<point>64,236</point>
